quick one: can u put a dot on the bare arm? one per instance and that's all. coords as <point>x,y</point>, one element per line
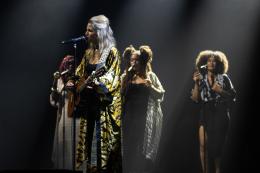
<point>195,91</point>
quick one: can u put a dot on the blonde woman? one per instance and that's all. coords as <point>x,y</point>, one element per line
<point>100,102</point>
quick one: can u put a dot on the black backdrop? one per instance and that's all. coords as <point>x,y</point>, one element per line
<point>176,30</point>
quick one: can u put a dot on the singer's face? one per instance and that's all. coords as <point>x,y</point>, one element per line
<point>211,64</point>
<point>90,33</point>
<point>134,61</point>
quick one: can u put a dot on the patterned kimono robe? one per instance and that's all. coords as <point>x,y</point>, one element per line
<point>153,120</point>
<point>110,116</point>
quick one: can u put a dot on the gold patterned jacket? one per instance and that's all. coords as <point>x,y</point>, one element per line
<point>110,116</point>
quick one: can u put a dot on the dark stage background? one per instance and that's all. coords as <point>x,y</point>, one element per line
<point>176,30</point>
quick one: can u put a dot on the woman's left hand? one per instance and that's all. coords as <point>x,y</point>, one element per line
<point>217,88</point>
<point>148,82</point>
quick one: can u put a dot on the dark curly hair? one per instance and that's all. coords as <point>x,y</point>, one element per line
<point>147,56</point>
<point>65,64</point>
<point>220,57</point>
<point>144,55</point>
<point>127,55</point>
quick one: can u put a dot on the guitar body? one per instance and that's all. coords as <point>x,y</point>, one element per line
<point>73,102</point>
<point>81,84</point>
<point>85,81</point>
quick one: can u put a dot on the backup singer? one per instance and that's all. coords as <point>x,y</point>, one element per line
<point>63,139</point>
<point>215,93</point>
<point>142,115</point>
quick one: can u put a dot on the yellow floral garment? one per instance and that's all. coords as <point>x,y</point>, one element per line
<point>110,116</point>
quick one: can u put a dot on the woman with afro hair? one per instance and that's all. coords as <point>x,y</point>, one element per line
<point>214,92</point>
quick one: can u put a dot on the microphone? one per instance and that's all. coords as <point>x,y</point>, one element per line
<point>131,73</point>
<point>64,72</point>
<point>130,68</point>
<point>74,40</point>
<point>203,69</point>
<point>203,66</point>
<point>57,74</point>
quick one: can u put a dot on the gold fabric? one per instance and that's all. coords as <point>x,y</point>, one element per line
<point>110,116</point>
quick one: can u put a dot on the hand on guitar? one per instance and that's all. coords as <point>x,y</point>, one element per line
<point>93,84</point>
<point>70,85</point>
<point>90,81</point>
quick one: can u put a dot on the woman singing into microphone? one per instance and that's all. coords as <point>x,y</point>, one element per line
<point>101,101</point>
<point>215,93</point>
<point>142,114</point>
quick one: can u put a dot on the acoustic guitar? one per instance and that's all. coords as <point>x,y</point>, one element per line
<point>82,83</point>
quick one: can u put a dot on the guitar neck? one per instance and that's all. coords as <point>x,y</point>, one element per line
<point>90,78</point>
<point>85,83</point>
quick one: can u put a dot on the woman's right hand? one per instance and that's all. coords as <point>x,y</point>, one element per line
<point>70,84</point>
<point>197,76</point>
<point>195,91</point>
<point>148,82</point>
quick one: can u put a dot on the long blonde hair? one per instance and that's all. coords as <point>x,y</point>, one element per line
<point>101,26</point>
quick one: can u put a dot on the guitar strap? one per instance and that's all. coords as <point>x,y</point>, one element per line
<point>103,58</point>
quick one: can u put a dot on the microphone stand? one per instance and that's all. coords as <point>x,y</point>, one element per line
<point>74,41</point>
<point>73,117</point>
